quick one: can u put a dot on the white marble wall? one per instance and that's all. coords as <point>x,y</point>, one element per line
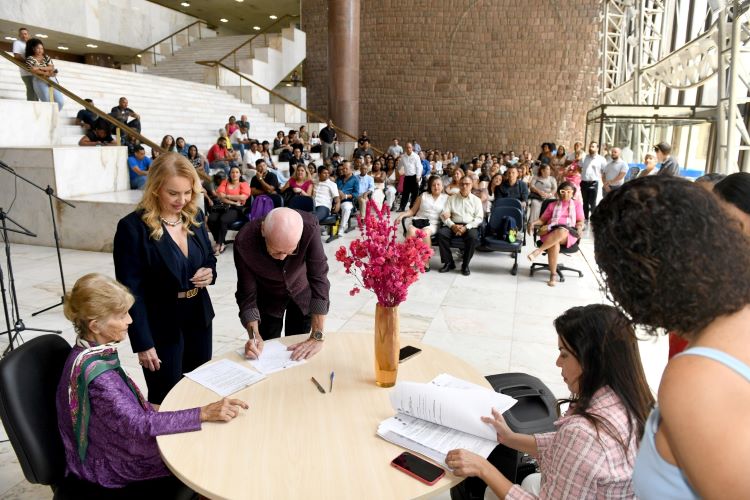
<point>75,173</point>
<point>39,119</point>
<point>90,170</point>
<point>130,23</point>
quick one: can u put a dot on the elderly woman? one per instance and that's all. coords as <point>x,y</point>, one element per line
<point>593,450</point>
<point>543,187</point>
<point>108,428</point>
<point>672,261</point>
<point>426,211</point>
<point>163,255</point>
<point>561,225</point>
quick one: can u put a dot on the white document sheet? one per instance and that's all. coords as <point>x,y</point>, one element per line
<point>431,440</point>
<point>273,358</point>
<point>456,404</point>
<point>225,377</point>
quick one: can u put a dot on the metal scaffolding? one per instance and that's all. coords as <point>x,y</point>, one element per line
<point>641,68</point>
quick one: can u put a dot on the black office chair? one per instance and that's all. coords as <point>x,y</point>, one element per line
<point>29,376</point>
<point>494,242</point>
<point>563,251</point>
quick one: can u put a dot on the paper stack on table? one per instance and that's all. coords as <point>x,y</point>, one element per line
<point>225,377</point>
<point>432,419</point>
<point>275,357</point>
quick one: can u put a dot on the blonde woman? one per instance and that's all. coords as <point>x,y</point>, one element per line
<point>163,255</point>
<point>108,429</point>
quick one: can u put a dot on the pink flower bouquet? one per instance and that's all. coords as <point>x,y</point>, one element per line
<point>380,263</point>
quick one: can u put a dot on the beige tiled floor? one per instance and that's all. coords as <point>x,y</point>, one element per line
<point>493,320</point>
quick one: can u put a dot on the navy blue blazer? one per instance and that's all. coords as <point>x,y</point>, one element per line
<point>147,267</point>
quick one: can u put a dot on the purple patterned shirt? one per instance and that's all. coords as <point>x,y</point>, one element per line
<point>121,434</point>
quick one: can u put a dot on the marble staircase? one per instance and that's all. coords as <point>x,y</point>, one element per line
<point>268,59</point>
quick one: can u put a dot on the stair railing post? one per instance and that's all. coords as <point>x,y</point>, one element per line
<point>51,93</point>
<point>234,56</point>
<point>154,51</point>
<point>117,134</point>
<point>171,42</point>
<point>199,31</point>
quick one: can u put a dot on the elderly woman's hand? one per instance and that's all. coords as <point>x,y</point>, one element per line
<point>223,410</point>
<point>466,464</point>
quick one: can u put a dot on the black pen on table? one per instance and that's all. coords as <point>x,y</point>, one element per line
<point>330,387</point>
<point>320,387</point>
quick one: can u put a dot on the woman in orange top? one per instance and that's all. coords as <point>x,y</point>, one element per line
<point>233,193</point>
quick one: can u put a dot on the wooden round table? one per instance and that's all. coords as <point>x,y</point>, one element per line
<point>294,442</point>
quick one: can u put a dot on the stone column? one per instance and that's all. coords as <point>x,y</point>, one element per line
<point>343,64</point>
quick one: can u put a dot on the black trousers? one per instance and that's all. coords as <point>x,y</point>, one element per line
<point>411,191</point>
<point>589,192</point>
<point>444,244</point>
<point>191,350</point>
<point>294,323</point>
<point>218,222</point>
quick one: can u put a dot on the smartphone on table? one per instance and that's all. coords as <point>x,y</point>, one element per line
<point>418,468</point>
<point>407,352</point>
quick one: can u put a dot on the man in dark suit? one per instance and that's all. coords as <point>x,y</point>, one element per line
<point>664,156</point>
<point>282,278</point>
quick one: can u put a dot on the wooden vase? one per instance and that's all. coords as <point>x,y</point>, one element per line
<point>386,345</point>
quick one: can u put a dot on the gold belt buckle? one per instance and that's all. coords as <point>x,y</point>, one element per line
<point>191,293</point>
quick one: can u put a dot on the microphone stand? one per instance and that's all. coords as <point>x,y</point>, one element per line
<point>50,194</point>
<point>18,325</point>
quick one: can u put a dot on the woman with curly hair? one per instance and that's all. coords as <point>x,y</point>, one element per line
<point>592,451</point>
<point>673,261</point>
<point>163,255</point>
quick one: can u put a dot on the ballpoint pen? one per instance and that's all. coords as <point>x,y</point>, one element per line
<point>320,387</point>
<point>330,387</point>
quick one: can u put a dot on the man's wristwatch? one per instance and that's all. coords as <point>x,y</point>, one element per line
<point>317,336</point>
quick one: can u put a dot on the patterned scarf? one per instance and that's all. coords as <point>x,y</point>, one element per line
<point>89,364</point>
<point>557,213</point>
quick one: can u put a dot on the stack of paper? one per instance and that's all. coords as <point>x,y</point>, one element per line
<point>225,377</point>
<point>445,414</point>
<point>274,357</point>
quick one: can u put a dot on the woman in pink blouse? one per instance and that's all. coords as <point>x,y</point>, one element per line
<point>298,185</point>
<point>561,225</point>
<point>592,452</point>
<point>232,193</point>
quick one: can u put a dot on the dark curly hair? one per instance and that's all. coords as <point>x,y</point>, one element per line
<point>669,257</point>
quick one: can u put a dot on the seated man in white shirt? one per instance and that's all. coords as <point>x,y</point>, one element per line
<point>252,156</point>
<point>326,194</point>
<point>462,216</point>
<point>240,140</point>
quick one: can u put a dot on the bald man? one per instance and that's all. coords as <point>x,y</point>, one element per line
<point>282,279</point>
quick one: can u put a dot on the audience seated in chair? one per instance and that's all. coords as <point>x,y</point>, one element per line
<point>298,185</point>
<point>98,135</point>
<point>366,185</point>
<point>138,166</point>
<point>348,186</point>
<point>426,212</point>
<point>182,147</point>
<point>543,187</point>
<point>462,217</point>
<point>561,225</point>
<point>327,198</point>
<point>592,452</point>
<point>197,159</point>
<point>264,181</point>
<point>232,193</point>
<point>513,187</point>
<point>108,428</point>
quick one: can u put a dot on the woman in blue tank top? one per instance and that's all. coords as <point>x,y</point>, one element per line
<point>675,261</point>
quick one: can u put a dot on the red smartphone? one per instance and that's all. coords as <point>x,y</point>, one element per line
<point>418,468</point>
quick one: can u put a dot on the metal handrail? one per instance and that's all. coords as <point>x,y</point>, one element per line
<point>234,51</point>
<point>98,112</point>
<point>152,47</point>
<point>319,118</point>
